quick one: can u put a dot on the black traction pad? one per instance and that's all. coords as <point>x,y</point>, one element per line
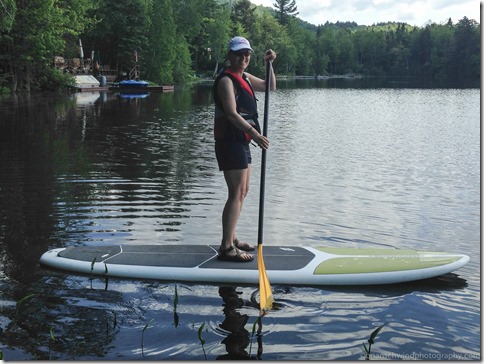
<point>188,256</point>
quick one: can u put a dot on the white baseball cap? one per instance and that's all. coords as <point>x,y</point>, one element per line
<point>238,43</point>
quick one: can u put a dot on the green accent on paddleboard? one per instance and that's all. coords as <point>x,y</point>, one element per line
<point>380,260</point>
<point>375,251</point>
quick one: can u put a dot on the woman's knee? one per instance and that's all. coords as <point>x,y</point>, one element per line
<point>238,194</point>
<point>237,182</point>
<point>245,192</point>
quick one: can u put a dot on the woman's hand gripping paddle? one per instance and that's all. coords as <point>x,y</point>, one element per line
<point>265,291</point>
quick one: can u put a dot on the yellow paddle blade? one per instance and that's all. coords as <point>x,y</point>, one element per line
<point>266,299</point>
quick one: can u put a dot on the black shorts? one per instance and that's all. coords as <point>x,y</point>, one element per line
<point>232,155</point>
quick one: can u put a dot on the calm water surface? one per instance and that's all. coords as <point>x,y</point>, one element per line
<point>347,167</point>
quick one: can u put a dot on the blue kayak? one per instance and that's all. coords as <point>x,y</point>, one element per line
<point>133,83</point>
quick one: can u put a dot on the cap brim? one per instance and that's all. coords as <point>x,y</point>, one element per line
<point>235,49</point>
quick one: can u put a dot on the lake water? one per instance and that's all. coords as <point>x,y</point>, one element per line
<point>348,166</point>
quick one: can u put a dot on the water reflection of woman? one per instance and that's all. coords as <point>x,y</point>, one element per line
<point>238,339</point>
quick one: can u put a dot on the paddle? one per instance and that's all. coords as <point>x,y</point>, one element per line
<point>266,299</point>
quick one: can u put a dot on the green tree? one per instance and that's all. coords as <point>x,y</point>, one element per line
<point>78,17</point>
<point>8,8</point>
<point>244,15</point>
<point>189,17</point>
<point>465,62</point>
<point>304,42</point>
<point>121,30</point>
<point>346,57</point>
<point>160,55</point>
<point>421,49</point>
<point>398,52</point>
<point>217,29</point>
<point>321,59</point>
<point>183,62</point>
<point>37,33</point>
<point>443,45</point>
<point>327,44</point>
<point>174,39</point>
<point>198,16</point>
<point>270,34</point>
<point>285,9</point>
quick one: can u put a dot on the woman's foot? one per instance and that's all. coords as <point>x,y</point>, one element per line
<point>243,245</point>
<point>234,254</point>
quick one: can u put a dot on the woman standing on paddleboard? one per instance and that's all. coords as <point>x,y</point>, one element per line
<point>235,126</point>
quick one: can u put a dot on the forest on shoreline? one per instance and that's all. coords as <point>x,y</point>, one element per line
<point>178,42</point>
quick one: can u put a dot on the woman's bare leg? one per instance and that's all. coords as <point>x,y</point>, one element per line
<point>238,186</point>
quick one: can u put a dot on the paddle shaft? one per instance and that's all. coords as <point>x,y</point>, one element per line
<point>264,156</point>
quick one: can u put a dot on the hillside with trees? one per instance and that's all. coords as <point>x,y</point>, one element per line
<point>176,42</point>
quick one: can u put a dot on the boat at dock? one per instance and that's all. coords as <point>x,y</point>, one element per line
<point>89,76</point>
<point>118,87</point>
<point>88,83</point>
<point>133,84</point>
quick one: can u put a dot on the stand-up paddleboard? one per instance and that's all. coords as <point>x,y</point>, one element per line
<point>284,264</point>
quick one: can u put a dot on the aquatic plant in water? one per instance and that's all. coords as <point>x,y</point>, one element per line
<point>143,336</point>
<point>371,341</point>
<point>175,304</point>
<point>201,339</point>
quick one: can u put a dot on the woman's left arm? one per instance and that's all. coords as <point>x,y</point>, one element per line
<point>260,84</point>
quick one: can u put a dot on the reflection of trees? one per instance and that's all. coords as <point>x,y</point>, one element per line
<point>35,147</point>
<point>39,138</point>
<point>159,139</point>
<point>49,326</point>
<point>58,161</point>
<point>156,148</point>
<point>67,160</point>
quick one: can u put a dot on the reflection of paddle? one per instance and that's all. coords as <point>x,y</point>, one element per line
<point>266,299</point>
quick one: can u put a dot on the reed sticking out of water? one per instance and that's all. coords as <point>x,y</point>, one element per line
<point>106,278</point>
<point>256,324</point>
<point>175,305</point>
<point>92,265</point>
<point>52,333</point>
<point>371,341</point>
<point>175,299</point>
<point>92,269</point>
<point>51,341</point>
<point>201,339</point>
<point>23,301</point>
<point>143,336</point>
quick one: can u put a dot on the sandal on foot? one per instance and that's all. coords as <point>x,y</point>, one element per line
<point>237,257</point>
<point>243,245</point>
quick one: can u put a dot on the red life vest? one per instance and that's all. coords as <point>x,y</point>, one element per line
<point>246,107</point>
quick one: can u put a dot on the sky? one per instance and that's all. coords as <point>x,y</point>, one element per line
<point>368,12</point>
